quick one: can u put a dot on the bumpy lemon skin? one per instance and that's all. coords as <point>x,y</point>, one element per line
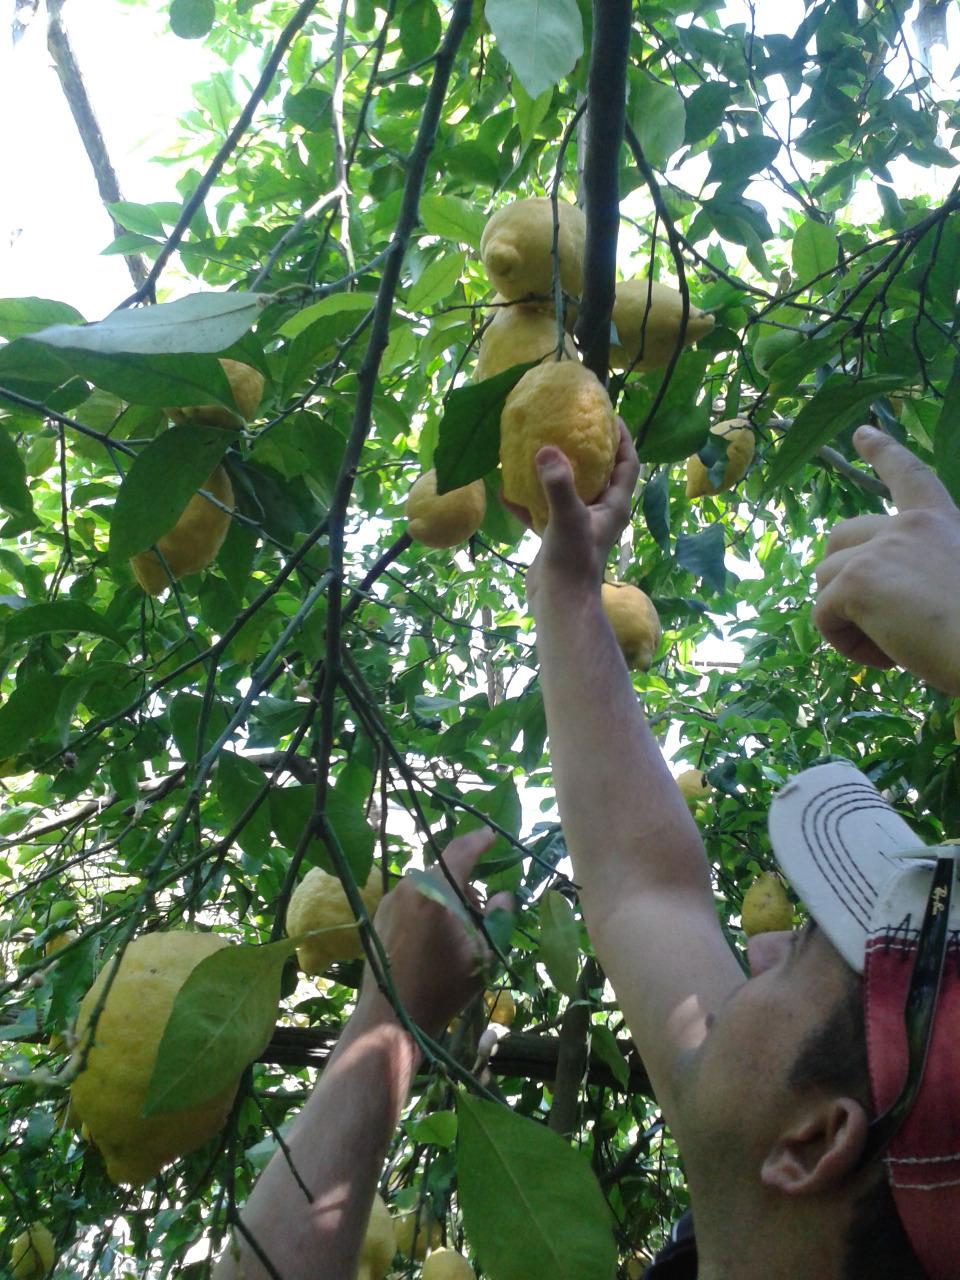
<point>658,337</point>
<point>449,519</point>
<point>379,1243</point>
<point>447,1264</point>
<point>501,1007</point>
<point>428,1234</point>
<point>31,1254</point>
<point>107,1096</point>
<point>517,335</point>
<point>247,387</point>
<point>766,906</point>
<point>693,785</point>
<point>517,248</point>
<point>563,404</point>
<point>194,540</point>
<point>320,902</point>
<point>741,445</point>
<point>635,622</point>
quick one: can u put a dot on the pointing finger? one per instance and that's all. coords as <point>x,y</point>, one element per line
<point>912,484</point>
<point>462,853</point>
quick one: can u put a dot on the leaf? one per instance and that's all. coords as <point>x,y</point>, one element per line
<point>702,555</point>
<point>704,111</point>
<point>734,163</point>
<point>290,810</point>
<point>30,711</point>
<point>58,615</point>
<point>14,494</point>
<point>541,39</point>
<point>191,19</point>
<point>19,316</point>
<point>656,509</point>
<point>438,1128</point>
<point>559,941</point>
<point>603,1044</point>
<point>946,439</point>
<point>468,445</point>
<point>185,710</point>
<point>141,218</point>
<point>453,219</point>
<point>199,323</point>
<point>531,1205</point>
<point>160,483</point>
<point>840,402</point>
<point>239,782</point>
<point>814,250</point>
<point>437,279</point>
<point>530,112</point>
<point>221,1020</point>
<point>420,29</point>
<point>788,370</point>
<point>659,120</point>
<point>329,306</point>
<point>683,415</point>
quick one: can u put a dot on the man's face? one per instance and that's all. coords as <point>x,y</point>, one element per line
<point>738,1091</point>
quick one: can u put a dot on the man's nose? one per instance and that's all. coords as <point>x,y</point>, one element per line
<point>767,949</point>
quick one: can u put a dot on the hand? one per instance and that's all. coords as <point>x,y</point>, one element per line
<point>578,538</point>
<point>437,964</point>
<point>889,586</point>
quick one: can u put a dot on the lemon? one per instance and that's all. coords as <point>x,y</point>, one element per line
<point>766,907</point>
<point>562,404</point>
<point>517,335</point>
<point>501,1007</point>
<point>31,1254</point>
<point>59,941</point>
<point>247,387</point>
<point>517,248</point>
<point>693,786</point>
<point>319,902</point>
<point>738,435</point>
<point>379,1243</point>
<point>447,1264</point>
<point>448,519</point>
<point>637,1266</point>
<point>956,726</point>
<point>107,1096</point>
<point>634,621</point>
<point>192,542</point>
<point>428,1234</point>
<point>650,345</point>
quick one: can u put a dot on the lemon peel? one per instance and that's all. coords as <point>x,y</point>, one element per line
<point>246,384</point>
<point>447,1264</point>
<point>517,248</point>
<point>740,442</point>
<point>501,1007</point>
<point>194,540</point>
<point>446,520</point>
<point>428,1234</point>
<point>635,623</point>
<point>320,902</point>
<point>379,1243</point>
<point>517,335</point>
<point>766,906</point>
<point>650,345</point>
<point>693,786</point>
<point>563,404</point>
<point>107,1096</point>
<point>31,1254</point>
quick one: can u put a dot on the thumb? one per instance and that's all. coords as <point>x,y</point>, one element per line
<point>912,484</point>
<point>556,476</point>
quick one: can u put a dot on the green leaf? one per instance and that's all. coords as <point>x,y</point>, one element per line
<point>439,1128</point>
<point>438,279</point>
<point>199,323</point>
<point>160,483</point>
<point>659,119</point>
<point>683,415</point>
<point>420,29</point>
<point>705,110</point>
<point>332,305</point>
<point>814,251</point>
<point>58,615</point>
<point>30,712</point>
<point>541,39</point>
<point>559,941</point>
<point>137,217</point>
<point>656,508</point>
<point>222,1020</point>
<point>734,163</point>
<point>185,710</point>
<point>530,112</point>
<point>946,440</point>
<point>702,555</point>
<point>19,316</point>
<point>531,1205</point>
<point>191,19</point>
<point>453,219</point>
<point>787,371</point>
<point>840,402</point>
<point>14,494</point>
<point>468,445</point>
<point>603,1043</point>
<point>239,782</point>
<point>290,810</point>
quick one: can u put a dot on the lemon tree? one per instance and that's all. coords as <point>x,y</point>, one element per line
<point>344,278</point>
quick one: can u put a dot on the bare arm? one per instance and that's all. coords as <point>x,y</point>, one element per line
<point>340,1138</point>
<point>636,851</point>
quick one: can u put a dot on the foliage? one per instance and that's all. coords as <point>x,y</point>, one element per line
<point>326,691</point>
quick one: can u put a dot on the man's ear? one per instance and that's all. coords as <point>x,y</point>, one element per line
<point>818,1150</point>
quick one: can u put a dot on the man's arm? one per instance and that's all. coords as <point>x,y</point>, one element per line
<point>339,1140</point>
<point>636,852</point>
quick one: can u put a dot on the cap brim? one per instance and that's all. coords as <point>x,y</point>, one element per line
<point>837,841</point>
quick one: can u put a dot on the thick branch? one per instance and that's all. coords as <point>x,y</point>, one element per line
<point>606,101</point>
<point>573,1055</point>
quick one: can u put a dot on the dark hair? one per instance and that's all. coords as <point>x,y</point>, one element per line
<point>834,1058</point>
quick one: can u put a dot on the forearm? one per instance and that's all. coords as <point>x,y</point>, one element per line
<point>337,1144</point>
<point>626,825</point>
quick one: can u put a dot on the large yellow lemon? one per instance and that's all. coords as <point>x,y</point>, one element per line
<point>447,1264</point>
<point>634,620</point>
<point>517,335</point>
<point>379,1243</point>
<point>428,1234</point>
<point>192,542</point>
<point>766,907</point>
<point>562,404</point>
<point>517,248</point>
<point>694,786</point>
<point>319,902</point>
<point>739,438</point>
<point>501,1007</point>
<point>31,1254</point>
<point>647,316</point>
<point>247,387</point>
<point>446,520</point>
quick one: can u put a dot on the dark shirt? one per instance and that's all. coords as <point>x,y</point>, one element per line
<point>677,1260</point>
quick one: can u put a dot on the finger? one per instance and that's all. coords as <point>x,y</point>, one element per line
<point>912,484</point>
<point>846,637</point>
<point>461,854</point>
<point>855,532</point>
<point>831,565</point>
<point>502,901</point>
<point>556,476</point>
